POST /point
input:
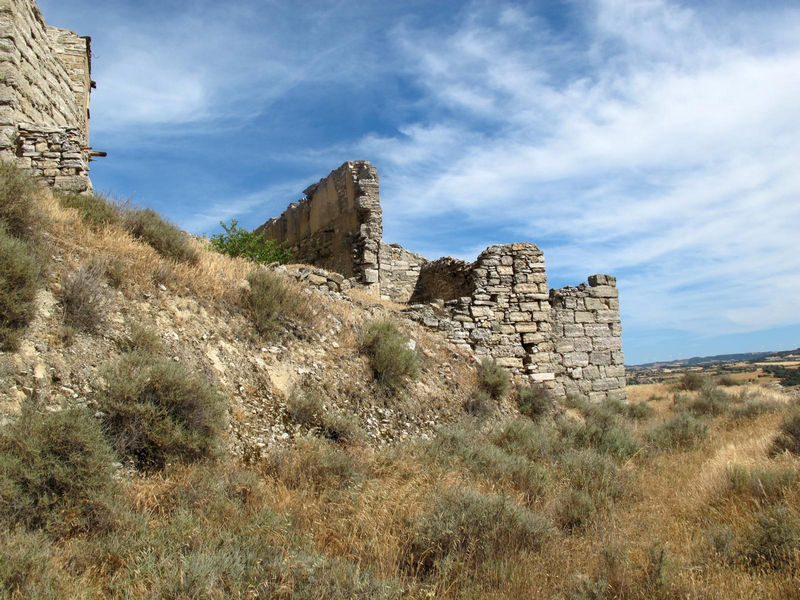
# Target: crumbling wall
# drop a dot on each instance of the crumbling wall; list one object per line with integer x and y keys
{"x": 45, "y": 80}
{"x": 399, "y": 272}
{"x": 445, "y": 278}
{"x": 588, "y": 343}
{"x": 337, "y": 225}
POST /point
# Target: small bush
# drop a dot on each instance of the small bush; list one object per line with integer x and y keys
{"x": 305, "y": 408}
{"x": 788, "y": 439}
{"x": 468, "y": 526}
{"x": 95, "y": 209}
{"x": 19, "y": 281}
{"x": 711, "y": 401}
{"x": 479, "y": 404}
{"x": 691, "y": 382}
{"x": 157, "y": 411}
{"x": 595, "y": 474}
{"x": 774, "y": 540}
{"x": 748, "y": 405}
{"x": 536, "y": 441}
{"x": 268, "y": 301}
{"x": 55, "y": 473}
{"x": 766, "y": 483}
{"x": 788, "y": 376}
{"x": 26, "y": 569}
{"x": 493, "y": 379}
{"x": 603, "y": 429}
{"x": 682, "y": 430}
{"x": 391, "y": 358}
{"x": 237, "y": 241}
{"x": 141, "y": 338}
{"x": 534, "y": 401}
{"x": 84, "y": 298}
{"x": 639, "y": 411}
{"x": 313, "y": 462}
{"x": 116, "y": 271}
{"x": 19, "y": 210}
{"x": 728, "y": 381}
{"x": 164, "y": 237}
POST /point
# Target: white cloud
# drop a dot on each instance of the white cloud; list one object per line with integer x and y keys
{"x": 664, "y": 148}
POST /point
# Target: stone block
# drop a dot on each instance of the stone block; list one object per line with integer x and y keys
{"x": 516, "y": 317}
{"x": 533, "y": 338}
{"x": 607, "y": 316}
{"x": 509, "y": 362}
{"x": 565, "y": 346}
{"x": 526, "y": 327}
{"x": 597, "y": 330}
{"x": 371, "y": 275}
{"x": 615, "y": 371}
{"x": 540, "y": 377}
{"x": 595, "y": 303}
{"x": 604, "y": 291}
{"x": 600, "y": 358}
{"x": 576, "y": 359}
{"x": 573, "y": 330}
{"x": 505, "y": 270}
{"x": 584, "y": 317}
{"x": 526, "y": 288}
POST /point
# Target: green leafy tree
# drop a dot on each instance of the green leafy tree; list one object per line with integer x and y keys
{"x": 237, "y": 241}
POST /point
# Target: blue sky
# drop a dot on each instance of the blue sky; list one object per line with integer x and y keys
{"x": 658, "y": 141}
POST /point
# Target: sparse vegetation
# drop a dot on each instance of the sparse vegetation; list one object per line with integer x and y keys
{"x": 680, "y": 431}
{"x": 691, "y": 382}
{"x": 305, "y": 408}
{"x": 19, "y": 280}
{"x": 786, "y": 375}
{"x": 156, "y": 411}
{"x": 237, "y": 241}
{"x": 534, "y": 401}
{"x": 269, "y": 301}
{"x": 83, "y": 297}
{"x": 390, "y": 356}
{"x": 20, "y": 213}
{"x": 164, "y": 237}
{"x": 788, "y": 439}
{"x": 493, "y": 379}
{"x": 95, "y": 209}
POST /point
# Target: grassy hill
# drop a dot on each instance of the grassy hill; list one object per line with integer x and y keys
{"x": 178, "y": 423}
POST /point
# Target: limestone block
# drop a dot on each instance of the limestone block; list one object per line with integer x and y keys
{"x": 505, "y": 270}
{"x": 597, "y": 397}
{"x": 565, "y": 346}
{"x": 584, "y": 317}
{"x": 583, "y": 344}
{"x": 573, "y": 330}
{"x": 576, "y": 359}
{"x": 509, "y": 362}
{"x": 618, "y": 394}
{"x": 71, "y": 184}
{"x": 540, "y": 377}
{"x": 607, "y": 316}
{"x": 615, "y": 371}
{"x": 598, "y": 330}
{"x": 526, "y": 327}
{"x": 608, "y": 343}
{"x": 371, "y": 275}
{"x": 600, "y": 358}
{"x": 596, "y": 303}
{"x": 506, "y": 329}
{"x": 617, "y": 357}
{"x": 516, "y": 317}
{"x": 481, "y": 311}
{"x": 576, "y": 373}
{"x": 533, "y": 338}
{"x": 526, "y": 288}
{"x": 604, "y": 291}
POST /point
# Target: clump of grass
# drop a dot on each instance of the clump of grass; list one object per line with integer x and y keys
{"x": 164, "y": 237}
{"x": 115, "y": 271}
{"x": 313, "y": 462}
{"x": 774, "y": 539}
{"x": 55, "y": 473}
{"x": 83, "y": 297}
{"x": 19, "y": 210}
{"x": 479, "y": 404}
{"x": 237, "y": 241}
{"x": 534, "y": 401}
{"x": 728, "y": 381}
{"x": 26, "y": 568}
{"x": 306, "y": 409}
{"x": 20, "y": 272}
{"x": 142, "y": 338}
{"x": 710, "y": 401}
{"x": 468, "y": 527}
{"x": 691, "y": 382}
{"x": 681, "y": 431}
{"x": 493, "y": 379}
{"x": 602, "y": 429}
{"x": 95, "y": 209}
{"x": 268, "y": 301}
{"x": 536, "y": 441}
{"x": 788, "y": 439}
{"x": 390, "y": 356}
{"x": 769, "y": 484}
{"x": 156, "y": 411}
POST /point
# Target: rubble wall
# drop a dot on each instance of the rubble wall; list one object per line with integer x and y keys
{"x": 444, "y": 278}
{"x": 45, "y": 81}
{"x": 337, "y": 225}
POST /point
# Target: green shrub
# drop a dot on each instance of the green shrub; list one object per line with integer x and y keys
{"x": 55, "y": 473}
{"x": 164, "y": 237}
{"x": 237, "y": 241}
{"x": 788, "y": 376}
{"x": 19, "y": 209}
{"x": 748, "y": 405}
{"x": 493, "y": 379}
{"x": 391, "y": 358}
{"x": 534, "y": 401}
{"x": 766, "y": 483}
{"x": 682, "y": 430}
{"x": 575, "y": 509}
{"x": 269, "y": 301}
{"x": 536, "y": 441}
{"x": 467, "y": 526}
{"x": 728, "y": 381}
{"x": 142, "y": 338}
{"x": 775, "y": 538}
{"x": 313, "y": 462}
{"x": 711, "y": 401}
{"x": 19, "y": 281}
{"x": 157, "y": 411}
{"x": 95, "y": 209}
{"x": 788, "y": 439}
{"x": 691, "y": 382}
{"x": 26, "y": 569}
{"x": 596, "y": 474}
{"x": 84, "y": 298}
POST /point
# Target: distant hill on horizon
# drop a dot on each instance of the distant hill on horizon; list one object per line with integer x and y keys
{"x": 718, "y": 359}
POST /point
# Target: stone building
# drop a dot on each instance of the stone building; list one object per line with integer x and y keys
{"x": 45, "y": 83}
{"x": 499, "y": 306}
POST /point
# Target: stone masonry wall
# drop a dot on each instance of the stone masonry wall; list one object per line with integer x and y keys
{"x": 45, "y": 82}
{"x": 337, "y": 225}
{"x": 399, "y": 272}
{"x": 589, "y": 359}
{"x": 497, "y": 307}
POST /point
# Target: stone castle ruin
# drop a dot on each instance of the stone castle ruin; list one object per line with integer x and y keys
{"x": 499, "y": 306}
{"x": 45, "y": 82}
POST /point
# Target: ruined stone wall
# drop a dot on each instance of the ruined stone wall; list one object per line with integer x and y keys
{"x": 445, "y": 278}
{"x": 399, "y": 272}
{"x": 45, "y": 81}
{"x": 337, "y": 225}
{"x": 588, "y": 343}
